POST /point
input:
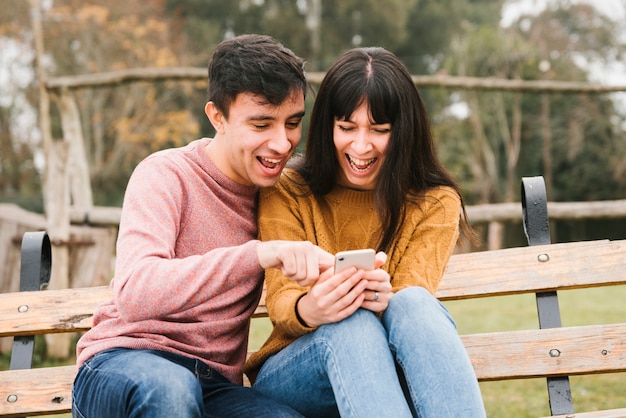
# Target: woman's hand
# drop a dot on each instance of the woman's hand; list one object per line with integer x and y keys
{"x": 377, "y": 293}
{"x": 333, "y": 297}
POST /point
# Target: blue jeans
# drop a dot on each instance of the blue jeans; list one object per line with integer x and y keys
{"x": 145, "y": 383}
{"x": 412, "y": 363}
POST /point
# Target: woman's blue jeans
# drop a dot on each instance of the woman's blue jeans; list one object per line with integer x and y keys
{"x": 154, "y": 384}
{"x": 412, "y": 363}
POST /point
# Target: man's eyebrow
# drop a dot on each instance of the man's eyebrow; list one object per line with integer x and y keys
{"x": 260, "y": 118}
{"x": 297, "y": 115}
{"x": 266, "y": 117}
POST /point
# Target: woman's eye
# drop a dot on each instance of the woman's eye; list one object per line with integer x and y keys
{"x": 345, "y": 128}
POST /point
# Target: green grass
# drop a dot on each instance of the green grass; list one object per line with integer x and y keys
{"x": 528, "y": 398}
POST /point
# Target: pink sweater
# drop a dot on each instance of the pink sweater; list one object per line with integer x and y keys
{"x": 187, "y": 278}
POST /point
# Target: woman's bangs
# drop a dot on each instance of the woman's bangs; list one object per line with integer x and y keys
{"x": 383, "y": 105}
{"x": 346, "y": 100}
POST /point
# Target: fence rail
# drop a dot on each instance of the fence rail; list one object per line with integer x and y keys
{"x": 107, "y": 79}
{"x": 494, "y": 212}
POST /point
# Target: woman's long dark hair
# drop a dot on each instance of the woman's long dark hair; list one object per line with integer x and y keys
{"x": 377, "y": 77}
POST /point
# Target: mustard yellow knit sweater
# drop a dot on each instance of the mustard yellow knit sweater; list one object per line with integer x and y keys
{"x": 345, "y": 219}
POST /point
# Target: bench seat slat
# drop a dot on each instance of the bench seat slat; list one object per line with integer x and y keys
{"x": 505, "y": 355}
{"x": 609, "y": 413}
{"x": 36, "y": 390}
{"x": 589, "y": 349}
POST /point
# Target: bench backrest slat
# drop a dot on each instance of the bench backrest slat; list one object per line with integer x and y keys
{"x": 478, "y": 274}
{"x": 569, "y": 266}
{"x": 50, "y": 311}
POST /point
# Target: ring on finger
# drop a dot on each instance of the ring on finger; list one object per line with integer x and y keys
{"x": 375, "y": 296}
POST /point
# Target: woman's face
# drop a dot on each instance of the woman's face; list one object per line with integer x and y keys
{"x": 361, "y": 145}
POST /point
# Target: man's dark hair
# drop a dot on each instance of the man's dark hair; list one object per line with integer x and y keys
{"x": 256, "y": 64}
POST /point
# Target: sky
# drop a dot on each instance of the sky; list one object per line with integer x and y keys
{"x": 612, "y": 73}
{"x": 16, "y": 72}
{"x": 614, "y": 9}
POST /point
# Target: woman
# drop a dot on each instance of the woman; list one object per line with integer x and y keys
{"x": 367, "y": 343}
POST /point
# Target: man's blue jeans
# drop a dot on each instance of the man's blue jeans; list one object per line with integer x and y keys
{"x": 410, "y": 363}
{"x": 154, "y": 384}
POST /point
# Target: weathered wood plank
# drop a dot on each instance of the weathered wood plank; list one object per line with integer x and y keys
{"x": 491, "y": 212}
{"x": 520, "y": 270}
{"x": 495, "y": 356}
{"x": 446, "y": 81}
{"x": 612, "y": 413}
{"x": 49, "y": 311}
{"x": 590, "y": 349}
{"x": 28, "y": 392}
{"x": 479, "y": 274}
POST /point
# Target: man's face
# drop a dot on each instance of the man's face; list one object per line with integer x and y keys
{"x": 253, "y": 145}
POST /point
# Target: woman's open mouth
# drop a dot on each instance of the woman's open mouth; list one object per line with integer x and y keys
{"x": 360, "y": 166}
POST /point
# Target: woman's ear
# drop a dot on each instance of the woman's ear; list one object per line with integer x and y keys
{"x": 216, "y": 117}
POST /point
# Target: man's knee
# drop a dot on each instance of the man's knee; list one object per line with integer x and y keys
{"x": 109, "y": 387}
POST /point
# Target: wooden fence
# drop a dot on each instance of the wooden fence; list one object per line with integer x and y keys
{"x": 91, "y": 251}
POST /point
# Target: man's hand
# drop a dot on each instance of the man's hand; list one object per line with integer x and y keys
{"x": 300, "y": 261}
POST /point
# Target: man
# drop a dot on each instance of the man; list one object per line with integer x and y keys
{"x": 188, "y": 276}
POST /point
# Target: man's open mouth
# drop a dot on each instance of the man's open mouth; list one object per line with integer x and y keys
{"x": 270, "y": 163}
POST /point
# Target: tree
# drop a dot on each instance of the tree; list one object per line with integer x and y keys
{"x": 19, "y": 175}
{"x": 588, "y": 139}
{"x": 515, "y": 135}
{"x": 120, "y": 126}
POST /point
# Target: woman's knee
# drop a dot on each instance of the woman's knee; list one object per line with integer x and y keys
{"x": 416, "y": 305}
{"x": 411, "y": 297}
{"x": 361, "y": 326}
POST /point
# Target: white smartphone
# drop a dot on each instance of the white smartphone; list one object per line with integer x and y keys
{"x": 361, "y": 259}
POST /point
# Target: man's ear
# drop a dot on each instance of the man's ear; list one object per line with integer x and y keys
{"x": 215, "y": 116}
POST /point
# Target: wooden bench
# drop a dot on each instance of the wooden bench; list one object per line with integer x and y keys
{"x": 552, "y": 352}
